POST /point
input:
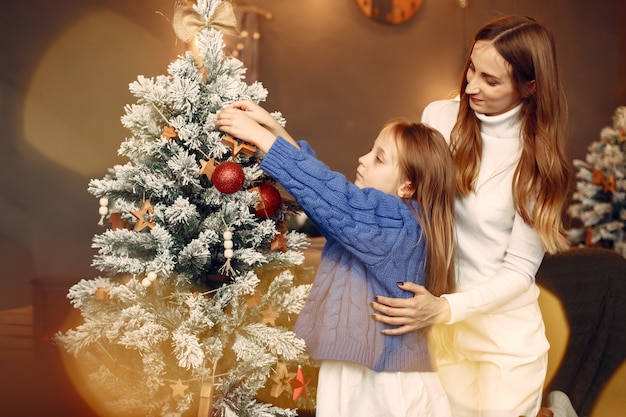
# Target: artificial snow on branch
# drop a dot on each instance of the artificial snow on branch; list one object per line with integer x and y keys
{"x": 600, "y": 198}
{"x": 198, "y": 290}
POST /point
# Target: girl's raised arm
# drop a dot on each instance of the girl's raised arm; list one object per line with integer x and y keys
{"x": 262, "y": 117}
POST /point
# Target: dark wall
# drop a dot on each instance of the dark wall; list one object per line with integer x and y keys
{"x": 336, "y": 76}
{"x": 339, "y": 75}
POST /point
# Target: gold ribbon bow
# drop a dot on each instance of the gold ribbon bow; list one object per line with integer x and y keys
{"x": 188, "y": 22}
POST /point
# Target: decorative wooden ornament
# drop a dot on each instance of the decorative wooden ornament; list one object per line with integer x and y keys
{"x": 207, "y": 167}
{"x": 103, "y": 210}
{"x": 279, "y": 243}
{"x": 118, "y": 222}
{"x": 253, "y": 300}
{"x": 227, "y": 268}
{"x": 609, "y": 184}
{"x": 178, "y": 388}
{"x": 597, "y": 177}
{"x": 149, "y": 279}
{"x": 102, "y": 294}
{"x": 169, "y": 133}
{"x": 282, "y": 379}
{"x": 204, "y": 407}
{"x": 239, "y": 147}
{"x": 391, "y": 12}
{"x": 228, "y": 244}
{"x": 145, "y": 216}
{"x": 269, "y": 316}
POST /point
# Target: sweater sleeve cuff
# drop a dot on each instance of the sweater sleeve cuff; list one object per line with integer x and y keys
{"x": 458, "y": 307}
{"x": 277, "y": 154}
{"x": 306, "y": 148}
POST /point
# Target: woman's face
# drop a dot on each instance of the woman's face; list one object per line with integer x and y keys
{"x": 489, "y": 84}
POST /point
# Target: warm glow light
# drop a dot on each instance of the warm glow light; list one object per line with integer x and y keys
{"x": 77, "y": 93}
{"x": 557, "y": 330}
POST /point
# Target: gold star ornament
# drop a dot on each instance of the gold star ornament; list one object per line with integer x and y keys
{"x": 246, "y": 148}
{"x": 145, "y": 216}
{"x": 178, "y": 388}
{"x": 279, "y": 243}
{"x": 169, "y": 133}
{"x": 207, "y": 167}
{"x": 281, "y": 380}
{"x": 269, "y": 316}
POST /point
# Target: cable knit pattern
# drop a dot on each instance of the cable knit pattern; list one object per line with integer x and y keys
{"x": 372, "y": 242}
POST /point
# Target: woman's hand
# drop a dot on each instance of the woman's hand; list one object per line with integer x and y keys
{"x": 410, "y": 314}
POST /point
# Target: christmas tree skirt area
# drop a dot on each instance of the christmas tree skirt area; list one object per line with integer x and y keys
{"x": 38, "y": 378}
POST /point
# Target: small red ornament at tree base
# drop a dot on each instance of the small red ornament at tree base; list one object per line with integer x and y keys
{"x": 545, "y": 412}
{"x": 268, "y": 202}
{"x": 228, "y": 177}
{"x": 299, "y": 384}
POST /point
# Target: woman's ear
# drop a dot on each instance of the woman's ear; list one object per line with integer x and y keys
{"x": 406, "y": 190}
{"x": 530, "y": 89}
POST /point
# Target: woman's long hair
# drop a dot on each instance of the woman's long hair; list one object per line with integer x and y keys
{"x": 543, "y": 179}
{"x": 425, "y": 160}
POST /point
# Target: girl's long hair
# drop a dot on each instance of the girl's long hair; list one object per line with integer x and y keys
{"x": 425, "y": 159}
{"x": 543, "y": 179}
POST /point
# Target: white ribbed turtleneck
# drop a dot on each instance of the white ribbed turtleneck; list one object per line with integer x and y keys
{"x": 498, "y": 254}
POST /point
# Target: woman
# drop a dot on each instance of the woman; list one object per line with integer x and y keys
{"x": 507, "y": 134}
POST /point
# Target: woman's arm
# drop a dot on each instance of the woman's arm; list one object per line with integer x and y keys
{"x": 521, "y": 261}
{"x": 410, "y": 314}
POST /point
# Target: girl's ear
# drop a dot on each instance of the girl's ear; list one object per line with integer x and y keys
{"x": 406, "y": 190}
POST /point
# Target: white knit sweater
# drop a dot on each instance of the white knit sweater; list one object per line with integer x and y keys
{"x": 498, "y": 254}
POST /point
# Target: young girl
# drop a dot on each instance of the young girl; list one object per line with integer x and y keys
{"x": 507, "y": 133}
{"x": 396, "y": 219}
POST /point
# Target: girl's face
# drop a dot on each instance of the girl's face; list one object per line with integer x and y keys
{"x": 380, "y": 169}
{"x": 489, "y": 84}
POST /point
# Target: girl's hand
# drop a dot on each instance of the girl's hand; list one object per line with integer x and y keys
{"x": 237, "y": 123}
{"x": 259, "y": 115}
{"x": 410, "y": 314}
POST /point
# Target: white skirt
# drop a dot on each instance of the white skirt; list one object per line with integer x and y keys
{"x": 349, "y": 390}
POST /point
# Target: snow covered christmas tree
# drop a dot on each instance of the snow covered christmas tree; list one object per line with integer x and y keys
{"x": 200, "y": 278}
{"x": 600, "y": 197}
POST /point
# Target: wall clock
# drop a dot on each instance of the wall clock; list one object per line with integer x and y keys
{"x": 391, "y": 12}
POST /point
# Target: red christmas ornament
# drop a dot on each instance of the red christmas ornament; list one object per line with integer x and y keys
{"x": 228, "y": 177}
{"x": 268, "y": 202}
{"x": 299, "y": 384}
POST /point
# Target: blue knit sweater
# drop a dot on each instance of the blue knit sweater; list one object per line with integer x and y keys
{"x": 372, "y": 242}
